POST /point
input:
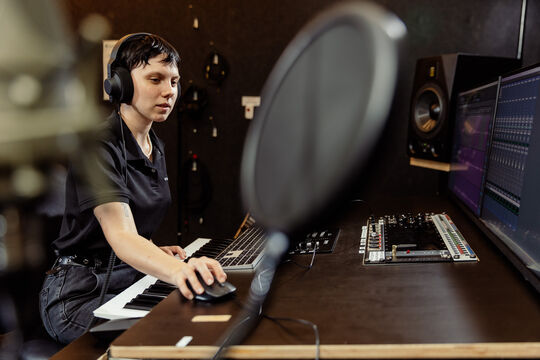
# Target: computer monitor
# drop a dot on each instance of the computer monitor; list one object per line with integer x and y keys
{"x": 511, "y": 201}
{"x": 474, "y": 114}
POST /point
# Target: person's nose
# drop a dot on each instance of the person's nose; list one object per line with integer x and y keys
{"x": 168, "y": 90}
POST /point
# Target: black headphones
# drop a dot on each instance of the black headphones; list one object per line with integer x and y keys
{"x": 119, "y": 85}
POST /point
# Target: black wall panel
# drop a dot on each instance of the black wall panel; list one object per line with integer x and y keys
{"x": 251, "y": 34}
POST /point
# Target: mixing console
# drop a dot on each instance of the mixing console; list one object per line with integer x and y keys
{"x": 413, "y": 238}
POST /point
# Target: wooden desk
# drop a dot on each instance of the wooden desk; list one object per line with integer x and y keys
{"x": 86, "y": 347}
{"x": 429, "y": 310}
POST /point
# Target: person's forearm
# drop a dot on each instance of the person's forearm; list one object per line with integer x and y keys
{"x": 119, "y": 228}
{"x": 145, "y": 256}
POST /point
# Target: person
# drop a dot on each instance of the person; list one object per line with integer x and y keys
{"x": 124, "y": 214}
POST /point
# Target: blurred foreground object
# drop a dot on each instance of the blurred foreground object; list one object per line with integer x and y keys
{"x": 49, "y": 79}
{"x": 47, "y": 102}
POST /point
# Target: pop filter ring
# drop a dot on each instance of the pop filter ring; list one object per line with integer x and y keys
{"x": 378, "y": 106}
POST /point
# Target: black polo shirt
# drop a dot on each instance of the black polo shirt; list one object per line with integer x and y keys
{"x": 147, "y": 190}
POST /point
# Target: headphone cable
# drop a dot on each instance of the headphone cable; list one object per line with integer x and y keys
{"x": 112, "y": 255}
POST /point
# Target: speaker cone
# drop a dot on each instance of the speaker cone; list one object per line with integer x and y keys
{"x": 428, "y": 110}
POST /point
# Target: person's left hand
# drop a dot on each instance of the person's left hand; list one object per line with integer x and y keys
{"x": 174, "y": 250}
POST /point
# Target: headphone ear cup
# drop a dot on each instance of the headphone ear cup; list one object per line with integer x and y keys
{"x": 119, "y": 86}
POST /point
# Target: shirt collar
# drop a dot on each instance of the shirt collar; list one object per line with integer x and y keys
{"x": 133, "y": 151}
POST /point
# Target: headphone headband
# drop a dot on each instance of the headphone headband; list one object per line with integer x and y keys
{"x": 119, "y": 85}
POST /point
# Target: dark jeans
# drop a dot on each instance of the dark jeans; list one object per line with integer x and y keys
{"x": 69, "y": 296}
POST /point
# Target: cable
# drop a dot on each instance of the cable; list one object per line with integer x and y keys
{"x": 263, "y": 283}
{"x": 303, "y": 322}
{"x": 112, "y": 255}
{"x": 105, "y": 287}
{"x": 275, "y": 319}
{"x": 124, "y": 152}
{"x": 222, "y": 346}
{"x": 308, "y": 267}
{"x": 365, "y": 202}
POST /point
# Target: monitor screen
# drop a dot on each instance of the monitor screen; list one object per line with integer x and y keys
{"x": 511, "y": 201}
{"x": 474, "y": 114}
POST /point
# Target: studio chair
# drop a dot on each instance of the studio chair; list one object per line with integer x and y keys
{"x": 323, "y": 109}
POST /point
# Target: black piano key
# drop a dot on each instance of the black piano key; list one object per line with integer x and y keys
{"x": 158, "y": 291}
{"x": 137, "y": 306}
{"x": 161, "y": 294}
{"x": 162, "y": 288}
{"x": 216, "y": 245}
{"x": 163, "y": 283}
{"x": 207, "y": 253}
{"x": 212, "y": 248}
{"x": 140, "y": 303}
{"x": 148, "y": 297}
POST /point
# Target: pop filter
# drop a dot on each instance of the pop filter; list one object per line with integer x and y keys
{"x": 324, "y": 106}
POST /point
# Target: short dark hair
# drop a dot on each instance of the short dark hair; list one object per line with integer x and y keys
{"x": 139, "y": 50}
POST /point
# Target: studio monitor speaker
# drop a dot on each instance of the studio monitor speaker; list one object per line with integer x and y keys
{"x": 437, "y": 81}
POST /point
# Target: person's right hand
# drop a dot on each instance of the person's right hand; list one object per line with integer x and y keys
{"x": 208, "y": 270}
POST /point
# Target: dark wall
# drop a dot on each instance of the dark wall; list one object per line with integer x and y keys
{"x": 251, "y": 35}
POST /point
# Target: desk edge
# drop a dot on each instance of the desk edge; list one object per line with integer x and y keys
{"x": 514, "y": 350}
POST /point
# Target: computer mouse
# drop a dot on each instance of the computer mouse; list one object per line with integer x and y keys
{"x": 216, "y": 291}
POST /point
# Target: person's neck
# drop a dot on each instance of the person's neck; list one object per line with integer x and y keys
{"x": 138, "y": 125}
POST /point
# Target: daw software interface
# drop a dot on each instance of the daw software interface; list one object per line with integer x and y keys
{"x": 474, "y": 114}
{"x": 511, "y": 206}
{"x": 496, "y": 160}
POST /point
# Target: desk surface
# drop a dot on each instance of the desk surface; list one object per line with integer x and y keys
{"x": 423, "y": 310}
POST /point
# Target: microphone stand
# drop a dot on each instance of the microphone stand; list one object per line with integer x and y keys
{"x": 276, "y": 246}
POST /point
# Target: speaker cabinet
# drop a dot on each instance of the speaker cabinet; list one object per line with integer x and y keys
{"x": 437, "y": 81}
